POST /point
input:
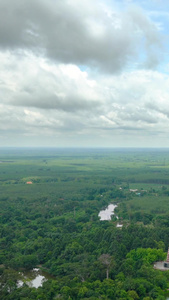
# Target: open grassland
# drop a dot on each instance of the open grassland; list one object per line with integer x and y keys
{"x": 153, "y": 204}
{"x": 84, "y": 175}
{"x": 139, "y": 169}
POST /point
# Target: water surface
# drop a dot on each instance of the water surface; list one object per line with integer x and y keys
{"x": 107, "y": 213}
{"x": 34, "y": 278}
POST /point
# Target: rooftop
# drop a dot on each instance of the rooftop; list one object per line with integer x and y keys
{"x": 159, "y": 265}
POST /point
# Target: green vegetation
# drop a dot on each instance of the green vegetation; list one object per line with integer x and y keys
{"x": 53, "y": 223}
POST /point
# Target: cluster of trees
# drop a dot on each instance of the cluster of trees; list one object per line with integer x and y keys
{"x": 89, "y": 259}
{"x": 54, "y": 224}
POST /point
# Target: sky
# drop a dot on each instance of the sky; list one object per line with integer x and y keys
{"x": 84, "y": 73}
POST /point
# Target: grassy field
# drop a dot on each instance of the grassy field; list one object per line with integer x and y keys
{"x": 60, "y": 173}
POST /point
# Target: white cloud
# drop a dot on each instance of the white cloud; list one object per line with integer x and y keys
{"x": 61, "y": 98}
{"x": 79, "y": 73}
{"x": 73, "y": 34}
{"x": 36, "y": 83}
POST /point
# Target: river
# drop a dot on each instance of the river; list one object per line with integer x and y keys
{"x": 34, "y": 278}
{"x": 105, "y": 215}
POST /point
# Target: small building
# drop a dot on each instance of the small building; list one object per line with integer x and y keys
{"x": 29, "y": 182}
{"x": 166, "y": 263}
{"x": 138, "y": 194}
{"x": 162, "y": 265}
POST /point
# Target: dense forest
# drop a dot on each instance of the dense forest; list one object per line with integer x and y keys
{"x": 50, "y": 200}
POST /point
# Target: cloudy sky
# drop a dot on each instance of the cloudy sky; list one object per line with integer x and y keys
{"x": 84, "y": 73}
